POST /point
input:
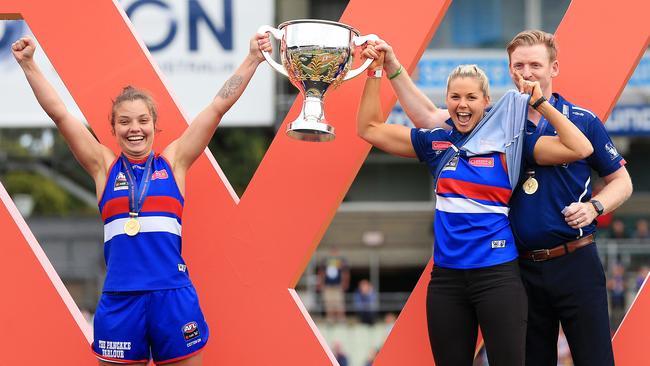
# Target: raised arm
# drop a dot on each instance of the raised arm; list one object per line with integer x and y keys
{"x": 418, "y": 107}
{"x": 394, "y": 139}
{"x": 569, "y": 145}
{"x": 186, "y": 149}
{"x": 93, "y": 156}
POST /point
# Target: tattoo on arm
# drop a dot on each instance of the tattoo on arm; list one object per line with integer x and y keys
{"x": 230, "y": 87}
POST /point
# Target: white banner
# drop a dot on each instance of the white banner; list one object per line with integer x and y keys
{"x": 197, "y": 44}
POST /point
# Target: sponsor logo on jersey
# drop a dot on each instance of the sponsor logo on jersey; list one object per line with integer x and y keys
{"x": 482, "y": 162}
{"x": 452, "y": 164}
{"x": 498, "y": 244}
{"x": 440, "y": 145}
{"x": 159, "y": 174}
{"x": 120, "y": 182}
{"x": 190, "y": 331}
{"x": 182, "y": 267}
{"x": 613, "y": 153}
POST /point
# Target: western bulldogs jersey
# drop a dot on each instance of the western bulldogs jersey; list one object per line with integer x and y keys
{"x": 471, "y": 224}
{"x": 151, "y": 259}
{"x": 537, "y": 219}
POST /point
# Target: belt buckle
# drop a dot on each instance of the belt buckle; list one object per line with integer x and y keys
{"x": 544, "y": 255}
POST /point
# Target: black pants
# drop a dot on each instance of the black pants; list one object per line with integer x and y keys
{"x": 458, "y": 301}
{"x": 569, "y": 290}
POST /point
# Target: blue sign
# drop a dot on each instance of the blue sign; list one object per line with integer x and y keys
{"x": 196, "y": 16}
{"x": 13, "y": 30}
{"x": 434, "y": 67}
{"x": 433, "y": 72}
{"x": 629, "y": 120}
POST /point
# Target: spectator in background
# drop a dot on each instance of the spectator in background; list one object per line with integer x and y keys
{"x": 340, "y": 356}
{"x": 365, "y": 302}
{"x": 616, "y": 288}
{"x": 389, "y": 322}
{"x": 617, "y": 231}
{"x": 371, "y": 357}
{"x": 333, "y": 281}
{"x": 641, "y": 276}
{"x": 642, "y": 231}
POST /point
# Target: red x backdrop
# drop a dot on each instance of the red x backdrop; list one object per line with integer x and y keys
{"x": 247, "y": 254}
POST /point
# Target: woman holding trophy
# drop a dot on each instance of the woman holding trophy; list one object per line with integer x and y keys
{"x": 149, "y": 307}
{"x": 475, "y": 280}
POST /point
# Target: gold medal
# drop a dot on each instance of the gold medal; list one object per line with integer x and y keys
{"x": 530, "y": 185}
{"x": 132, "y": 226}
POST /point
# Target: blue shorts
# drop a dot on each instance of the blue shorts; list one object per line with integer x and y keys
{"x": 166, "y": 325}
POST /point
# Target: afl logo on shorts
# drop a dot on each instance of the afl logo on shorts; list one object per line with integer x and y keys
{"x": 190, "y": 331}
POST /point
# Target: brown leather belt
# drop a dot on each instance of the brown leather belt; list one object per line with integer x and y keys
{"x": 560, "y": 250}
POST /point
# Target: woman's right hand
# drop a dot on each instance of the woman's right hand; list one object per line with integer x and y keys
{"x": 531, "y": 88}
{"x": 23, "y": 49}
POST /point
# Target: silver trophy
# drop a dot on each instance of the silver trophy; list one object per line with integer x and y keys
{"x": 316, "y": 54}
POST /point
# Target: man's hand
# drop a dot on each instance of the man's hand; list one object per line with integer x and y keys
{"x": 391, "y": 64}
{"x": 370, "y": 51}
{"x": 579, "y": 214}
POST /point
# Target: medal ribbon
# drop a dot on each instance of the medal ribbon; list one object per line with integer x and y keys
{"x": 137, "y": 192}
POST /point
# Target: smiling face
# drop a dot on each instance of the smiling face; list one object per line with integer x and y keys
{"x": 466, "y": 102}
{"x": 134, "y": 128}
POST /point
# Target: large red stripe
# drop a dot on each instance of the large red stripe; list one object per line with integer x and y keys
{"x": 120, "y": 205}
{"x": 474, "y": 190}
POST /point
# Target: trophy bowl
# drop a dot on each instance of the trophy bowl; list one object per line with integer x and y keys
{"x": 316, "y": 55}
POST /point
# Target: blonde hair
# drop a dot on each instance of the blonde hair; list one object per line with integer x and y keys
{"x": 131, "y": 93}
{"x": 471, "y": 71}
{"x": 534, "y": 37}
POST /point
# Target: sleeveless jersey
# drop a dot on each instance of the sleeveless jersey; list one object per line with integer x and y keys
{"x": 471, "y": 223}
{"x": 150, "y": 260}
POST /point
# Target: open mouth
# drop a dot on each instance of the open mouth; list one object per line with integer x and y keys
{"x": 464, "y": 117}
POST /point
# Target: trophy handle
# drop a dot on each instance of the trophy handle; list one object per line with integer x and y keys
{"x": 358, "y": 41}
{"x": 278, "y": 35}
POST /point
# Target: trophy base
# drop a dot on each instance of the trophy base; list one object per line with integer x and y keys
{"x": 310, "y": 131}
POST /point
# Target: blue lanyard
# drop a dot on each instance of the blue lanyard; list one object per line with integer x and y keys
{"x": 137, "y": 192}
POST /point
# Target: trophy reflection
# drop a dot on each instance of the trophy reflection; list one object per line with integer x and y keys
{"x": 316, "y": 55}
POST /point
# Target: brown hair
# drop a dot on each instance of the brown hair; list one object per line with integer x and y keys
{"x": 471, "y": 71}
{"x": 534, "y": 37}
{"x": 130, "y": 93}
